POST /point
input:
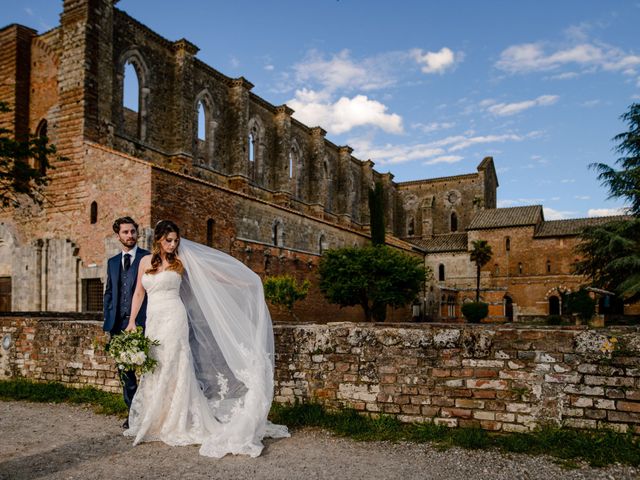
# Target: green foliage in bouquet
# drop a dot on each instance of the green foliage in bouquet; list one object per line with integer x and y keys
{"x": 131, "y": 351}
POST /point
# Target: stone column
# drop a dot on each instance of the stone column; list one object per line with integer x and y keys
{"x": 183, "y": 105}
{"x": 238, "y": 134}
{"x": 367, "y": 184}
{"x": 282, "y": 183}
{"x": 316, "y": 172}
{"x": 344, "y": 188}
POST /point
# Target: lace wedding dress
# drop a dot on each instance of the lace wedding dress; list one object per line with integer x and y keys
{"x": 213, "y": 384}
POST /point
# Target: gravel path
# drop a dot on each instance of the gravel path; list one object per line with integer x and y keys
{"x": 43, "y": 441}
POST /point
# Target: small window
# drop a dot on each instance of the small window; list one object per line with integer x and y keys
{"x": 321, "y": 244}
{"x": 291, "y": 164}
{"x": 548, "y": 266}
{"x": 92, "y": 295}
{"x": 507, "y": 244}
{"x": 210, "y": 226}
{"x": 202, "y": 122}
{"x": 94, "y": 213}
{"x": 131, "y": 93}
{"x": 5, "y": 294}
{"x": 454, "y": 222}
{"x": 252, "y": 148}
{"x": 520, "y": 268}
{"x": 278, "y": 234}
{"x": 496, "y": 269}
{"x": 40, "y": 163}
{"x": 441, "y": 273}
{"x": 411, "y": 227}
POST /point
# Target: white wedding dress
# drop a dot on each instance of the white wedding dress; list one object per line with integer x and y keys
{"x": 213, "y": 384}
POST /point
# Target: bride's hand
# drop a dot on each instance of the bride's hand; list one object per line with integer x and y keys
{"x": 130, "y": 328}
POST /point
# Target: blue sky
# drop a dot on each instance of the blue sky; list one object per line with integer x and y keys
{"x": 427, "y": 89}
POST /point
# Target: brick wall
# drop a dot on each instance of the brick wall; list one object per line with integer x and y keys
{"x": 498, "y": 378}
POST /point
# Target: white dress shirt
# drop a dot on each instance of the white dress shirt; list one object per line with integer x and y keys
{"x": 131, "y": 252}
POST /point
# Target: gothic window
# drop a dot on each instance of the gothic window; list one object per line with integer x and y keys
{"x": 454, "y": 222}
{"x": 441, "y": 272}
{"x": 210, "y": 229}
{"x": 277, "y": 234}
{"x": 548, "y": 266}
{"x": 94, "y": 212}
{"x": 520, "y": 269}
{"x": 40, "y": 163}
{"x": 496, "y": 269}
{"x": 254, "y": 153}
{"x": 204, "y": 127}
{"x": 411, "y": 227}
{"x": 507, "y": 244}
{"x": 134, "y": 91}
{"x": 322, "y": 244}
{"x": 294, "y": 169}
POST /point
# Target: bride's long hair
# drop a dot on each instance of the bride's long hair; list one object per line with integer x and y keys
{"x": 162, "y": 229}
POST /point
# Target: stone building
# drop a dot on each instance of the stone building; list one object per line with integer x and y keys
{"x": 233, "y": 170}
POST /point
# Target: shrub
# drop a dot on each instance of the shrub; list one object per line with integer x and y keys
{"x": 284, "y": 291}
{"x": 475, "y": 311}
{"x": 554, "y": 320}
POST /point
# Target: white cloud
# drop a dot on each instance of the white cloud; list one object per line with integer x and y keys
{"x": 235, "y": 63}
{"x": 269, "y": 68}
{"x": 339, "y": 71}
{"x": 506, "y": 109}
{"x": 437, "y": 62}
{"x": 568, "y": 180}
{"x": 29, "y": 11}
{"x": 582, "y": 197}
{"x": 606, "y": 212}
{"x": 564, "y": 76}
{"x": 317, "y": 108}
{"x": 433, "y": 126}
{"x": 443, "y": 149}
{"x": 591, "y": 103}
{"x": 444, "y": 159}
{"x": 535, "y": 57}
{"x": 553, "y": 214}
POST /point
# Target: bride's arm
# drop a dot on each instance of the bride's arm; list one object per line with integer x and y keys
{"x": 138, "y": 294}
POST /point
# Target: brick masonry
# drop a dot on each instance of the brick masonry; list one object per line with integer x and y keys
{"x": 499, "y": 378}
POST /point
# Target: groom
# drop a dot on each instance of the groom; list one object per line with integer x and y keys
{"x": 122, "y": 276}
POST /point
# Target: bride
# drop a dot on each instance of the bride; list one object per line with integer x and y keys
{"x": 213, "y": 384}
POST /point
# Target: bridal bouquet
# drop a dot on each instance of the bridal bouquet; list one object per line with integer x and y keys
{"x": 131, "y": 351}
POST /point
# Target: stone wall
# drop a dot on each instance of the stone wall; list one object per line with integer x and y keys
{"x": 498, "y": 378}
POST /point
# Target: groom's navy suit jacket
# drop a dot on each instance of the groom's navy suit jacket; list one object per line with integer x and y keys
{"x": 113, "y": 294}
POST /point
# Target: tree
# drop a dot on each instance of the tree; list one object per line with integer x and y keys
{"x": 611, "y": 257}
{"x": 23, "y": 166}
{"x": 284, "y": 291}
{"x": 625, "y": 183}
{"x": 371, "y": 275}
{"x": 611, "y": 252}
{"x": 481, "y": 254}
{"x": 579, "y": 303}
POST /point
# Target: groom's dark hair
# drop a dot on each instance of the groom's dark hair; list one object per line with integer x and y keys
{"x": 123, "y": 220}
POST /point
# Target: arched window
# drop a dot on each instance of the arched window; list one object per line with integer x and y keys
{"x": 94, "y": 212}
{"x": 210, "y": 228}
{"x": 277, "y": 234}
{"x": 496, "y": 269}
{"x": 548, "y": 266}
{"x": 411, "y": 227}
{"x": 131, "y": 88}
{"x": 441, "y": 273}
{"x": 554, "y": 305}
{"x": 202, "y": 122}
{"x": 520, "y": 269}
{"x": 252, "y": 148}
{"x": 508, "y": 308}
{"x": 40, "y": 163}
{"x": 322, "y": 244}
{"x": 454, "y": 222}
{"x": 291, "y": 164}
{"x": 507, "y": 244}
{"x": 133, "y": 84}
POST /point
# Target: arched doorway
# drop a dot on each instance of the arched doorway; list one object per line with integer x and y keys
{"x": 508, "y": 308}
{"x": 554, "y": 305}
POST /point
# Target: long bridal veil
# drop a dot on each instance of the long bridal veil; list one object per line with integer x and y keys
{"x": 231, "y": 339}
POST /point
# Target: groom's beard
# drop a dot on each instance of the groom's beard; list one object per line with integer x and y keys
{"x": 129, "y": 243}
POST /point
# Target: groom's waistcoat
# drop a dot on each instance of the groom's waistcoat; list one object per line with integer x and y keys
{"x": 126, "y": 287}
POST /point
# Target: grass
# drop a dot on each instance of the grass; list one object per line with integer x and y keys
{"x": 599, "y": 448}
{"x": 50, "y": 392}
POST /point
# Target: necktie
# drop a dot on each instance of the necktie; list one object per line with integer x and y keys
{"x": 127, "y": 261}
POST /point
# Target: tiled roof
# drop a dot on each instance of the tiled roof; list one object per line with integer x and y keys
{"x": 451, "y": 242}
{"x": 506, "y": 217}
{"x": 437, "y": 179}
{"x": 573, "y": 226}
